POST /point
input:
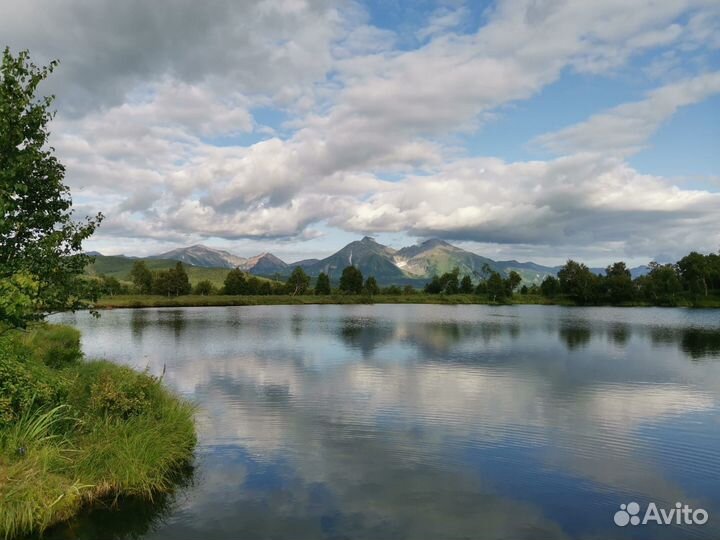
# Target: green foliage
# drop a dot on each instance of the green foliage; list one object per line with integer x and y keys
{"x": 351, "y": 280}
{"x": 88, "y": 431}
{"x": 121, "y": 394}
{"x": 298, "y": 282}
{"x": 578, "y": 282}
{"x": 23, "y": 383}
{"x": 322, "y": 286}
{"x": 392, "y": 290}
{"x": 54, "y": 345}
{"x": 141, "y": 277}
{"x": 699, "y": 273}
{"x": 496, "y": 287}
{"x": 466, "y": 285}
{"x": 618, "y": 286}
{"x": 172, "y": 282}
{"x": 18, "y": 300}
{"x": 38, "y": 236}
{"x": 662, "y": 285}
{"x": 235, "y": 282}
{"x": 36, "y": 426}
{"x": 448, "y": 283}
{"x": 204, "y": 288}
{"x": 371, "y": 287}
{"x": 550, "y": 287}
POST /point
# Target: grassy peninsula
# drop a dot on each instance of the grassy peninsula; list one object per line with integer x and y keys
{"x": 74, "y": 432}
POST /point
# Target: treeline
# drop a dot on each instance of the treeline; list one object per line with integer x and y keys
{"x": 692, "y": 278}
{"x": 175, "y": 282}
{"x": 491, "y": 283}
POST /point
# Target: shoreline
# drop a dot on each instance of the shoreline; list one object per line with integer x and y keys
{"x": 155, "y": 301}
{"x": 76, "y": 433}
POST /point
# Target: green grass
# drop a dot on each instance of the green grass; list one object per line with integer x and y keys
{"x": 76, "y": 432}
{"x": 143, "y": 301}
{"x": 139, "y": 301}
{"x": 120, "y": 267}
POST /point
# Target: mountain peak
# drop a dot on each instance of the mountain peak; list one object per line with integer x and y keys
{"x": 432, "y": 242}
{"x": 368, "y": 239}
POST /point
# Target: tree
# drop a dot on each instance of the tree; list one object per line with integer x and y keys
{"x": 496, "y": 287}
{"x": 39, "y": 240}
{"x": 448, "y": 283}
{"x": 409, "y": 289}
{"x": 110, "y": 286}
{"x": 18, "y": 300}
{"x": 351, "y": 280}
{"x": 371, "y": 287}
{"x": 434, "y": 286}
{"x": 661, "y": 285}
{"x": 172, "y": 282}
{"x": 578, "y": 282}
{"x": 466, "y": 286}
{"x": 298, "y": 282}
{"x": 451, "y": 281}
{"x": 204, "y": 288}
{"x": 180, "y": 280}
{"x": 322, "y": 286}
{"x": 265, "y": 288}
{"x": 141, "y": 277}
{"x": 235, "y": 282}
{"x": 618, "y": 283}
{"x": 694, "y": 270}
{"x": 550, "y": 287}
{"x": 511, "y": 282}
{"x": 253, "y": 285}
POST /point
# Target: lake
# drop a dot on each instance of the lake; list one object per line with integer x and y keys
{"x": 426, "y": 421}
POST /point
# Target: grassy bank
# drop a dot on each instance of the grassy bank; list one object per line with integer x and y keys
{"x": 138, "y": 301}
{"x": 75, "y": 432}
{"x": 143, "y": 301}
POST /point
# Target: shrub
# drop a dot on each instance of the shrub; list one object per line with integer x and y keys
{"x": 23, "y": 385}
{"x": 55, "y": 346}
{"x": 121, "y": 393}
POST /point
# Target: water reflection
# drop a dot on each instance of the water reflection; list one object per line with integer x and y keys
{"x": 701, "y": 343}
{"x": 126, "y": 518}
{"x": 433, "y": 421}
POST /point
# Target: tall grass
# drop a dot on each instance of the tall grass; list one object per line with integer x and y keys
{"x": 111, "y": 432}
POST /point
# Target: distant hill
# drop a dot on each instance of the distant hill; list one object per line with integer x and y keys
{"x": 413, "y": 265}
{"x": 435, "y": 257}
{"x": 199, "y": 255}
{"x": 119, "y": 267}
{"x": 265, "y": 264}
{"x": 371, "y": 258}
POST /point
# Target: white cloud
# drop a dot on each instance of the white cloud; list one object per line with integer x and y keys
{"x": 143, "y": 96}
{"x": 626, "y": 128}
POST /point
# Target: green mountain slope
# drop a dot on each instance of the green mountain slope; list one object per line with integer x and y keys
{"x": 120, "y": 267}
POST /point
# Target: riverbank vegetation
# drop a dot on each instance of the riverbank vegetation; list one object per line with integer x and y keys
{"x": 71, "y": 431}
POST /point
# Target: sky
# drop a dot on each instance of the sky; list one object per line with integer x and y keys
{"x": 523, "y": 129}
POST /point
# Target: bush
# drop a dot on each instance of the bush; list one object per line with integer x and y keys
{"x": 121, "y": 393}
{"x": 55, "y": 346}
{"x": 24, "y": 385}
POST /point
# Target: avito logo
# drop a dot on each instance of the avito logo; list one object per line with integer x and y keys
{"x": 681, "y": 514}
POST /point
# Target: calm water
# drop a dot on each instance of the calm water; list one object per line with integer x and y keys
{"x": 426, "y": 422}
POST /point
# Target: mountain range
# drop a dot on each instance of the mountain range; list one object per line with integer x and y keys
{"x": 408, "y": 265}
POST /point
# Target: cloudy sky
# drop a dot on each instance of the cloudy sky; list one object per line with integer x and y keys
{"x": 529, "y": 129}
